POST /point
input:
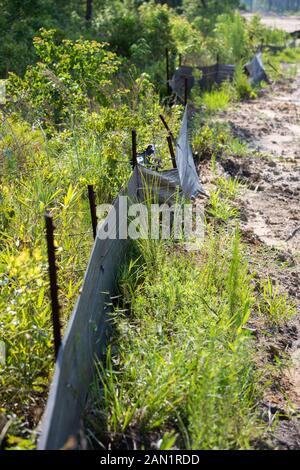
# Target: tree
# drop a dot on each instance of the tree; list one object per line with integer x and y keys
{"x": 89, "y": 10}
{"x": 205, "y": 12}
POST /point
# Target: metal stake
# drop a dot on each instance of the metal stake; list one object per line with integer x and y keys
{"x": 167, "y": 127}
{"x": 92, "y": 201}
{"x": 53, "y": 283}
{"x": 172, "y": 153}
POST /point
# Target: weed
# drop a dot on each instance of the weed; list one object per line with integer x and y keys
{"x": 243, "y": 88}
{"x": 274, "y": 306}
{"x": 216, "y": 100}
{"x": 220, "y": 208}
{"x": 183, "y": 362}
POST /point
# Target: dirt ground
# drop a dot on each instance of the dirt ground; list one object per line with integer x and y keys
{"x": 287, "y": 23}
{"x": 270, "y": 224}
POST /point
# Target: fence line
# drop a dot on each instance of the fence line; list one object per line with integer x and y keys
{"x": 85, "y": 339}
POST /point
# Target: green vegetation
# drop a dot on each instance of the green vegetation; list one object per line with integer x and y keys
{"x": 213, "y": 141}
{"x": 275, "y": 306}
{"x": 216, "y": 100}
{"x": 180, "y": 366}
{"x": 68, "y": 140}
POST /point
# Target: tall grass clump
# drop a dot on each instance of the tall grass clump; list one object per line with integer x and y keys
{"x": 216, "y": 100}
{"x": 181, "y": 363}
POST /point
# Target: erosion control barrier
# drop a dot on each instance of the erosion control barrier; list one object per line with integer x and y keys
{"x": 256, "y": 71}
{"x": 84, "y": 339}
{"x": 211, "y": 75}
{"x": 185, "y": 76}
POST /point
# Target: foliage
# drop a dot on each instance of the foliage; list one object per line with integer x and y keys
{"x": 220, "y": 207}
{"x": 70, "y": 75}
{"x": 67, "y": 124}
{"x": 230, "y": 38}
{"x": 275, "y": 306}
{"x": 216, "y": 141}
{"x": 47, "y": 167}
{"x": 20, "y": 21}
{"x": 216, "y": 100}
{"x": 204, "y": 13}
{"x": 183, "y": 360}
{"x": 260, "y": 34}
{"x": 243, "y": 88}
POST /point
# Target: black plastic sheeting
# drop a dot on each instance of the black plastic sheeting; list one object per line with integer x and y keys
{"x": 215, "y": 75}
{"x": 84, "y": 339}
{"x": 209, "y": 76}
{"x": 256, "y": 71}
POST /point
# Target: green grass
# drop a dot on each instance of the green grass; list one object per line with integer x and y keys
{"x": 216, "y": 100}
{"x": 221, "y": 205}
{"x": 274, "y": 306}
{"x": 42, "y": 173}
{"x": 181, "y": 363}
{"x": 215, "y": 140}
{"x": 181, "y": 370}
{"x": 282, "y": 64}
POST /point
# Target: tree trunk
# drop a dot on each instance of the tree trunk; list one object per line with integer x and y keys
{"x": 89, "y": 10}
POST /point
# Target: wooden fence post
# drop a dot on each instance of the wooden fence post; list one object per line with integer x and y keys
{"x": 167, "y": 127}
{"x": 186, "y": 91}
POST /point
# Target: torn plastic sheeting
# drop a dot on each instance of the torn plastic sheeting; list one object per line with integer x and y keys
{"x": 256, "y": 70}
{"x": 188, "y": 176}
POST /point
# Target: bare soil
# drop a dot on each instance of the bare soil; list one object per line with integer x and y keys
{"x": 270, "y": 224}
{"x": 287, "y": 23}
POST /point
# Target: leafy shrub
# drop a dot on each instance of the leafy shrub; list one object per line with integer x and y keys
{"x": 70, "y": 76}
{"x": 230, "y": 38}
{"x": 243, "y": 87}
{"x": 209, "y": 142}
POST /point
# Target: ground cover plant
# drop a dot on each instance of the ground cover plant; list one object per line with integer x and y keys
{"x": 54, "y": 142}
{"x": 75, "y": 88}
{"x": 180, "y": 371}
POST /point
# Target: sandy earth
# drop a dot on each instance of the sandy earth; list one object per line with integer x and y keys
{"x": 271, "y": 126}
{"x": 270, "y": 224}
{"x": 287, "y": 23}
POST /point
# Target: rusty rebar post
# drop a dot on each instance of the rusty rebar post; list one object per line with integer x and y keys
{"x": 172, "y": 153}
{"x": 53, "y": 283}
{"x": 134, "y": 148}
{"x": 92, "y": 201}
{"x": 167, "y": 127}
